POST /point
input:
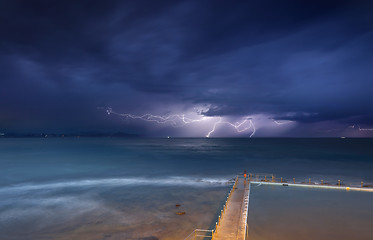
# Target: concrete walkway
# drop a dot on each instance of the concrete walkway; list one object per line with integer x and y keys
{"x": 232, "y": 225}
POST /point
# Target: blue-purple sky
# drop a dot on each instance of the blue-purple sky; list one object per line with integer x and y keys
{"x": 289, "y": 68}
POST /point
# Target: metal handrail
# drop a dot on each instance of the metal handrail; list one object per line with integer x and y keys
{"x": 271, "y": 178}
{"x": 247, "y": 212}
{"x": 196, "y": 234}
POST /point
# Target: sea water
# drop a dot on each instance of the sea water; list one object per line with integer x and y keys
{"x": 291, "y": 213}
{"x": 117, "y": 188}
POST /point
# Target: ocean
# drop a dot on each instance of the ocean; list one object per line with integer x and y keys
{"x": 118, "y": 188}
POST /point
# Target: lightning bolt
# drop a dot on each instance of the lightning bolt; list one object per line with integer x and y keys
{"x": 359, "y": 128}
{"x": 173, "y": 119}
{"x": 281, "y": 123}
{"x": 178, "y": 120}
{"x": 237, "y": 126}
{"x": 364, "y": 129}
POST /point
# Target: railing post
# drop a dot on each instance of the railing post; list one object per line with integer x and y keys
{"x": 294, "y": 180}
{"x": 309, "y": 181}
{"x": 362, "y": 184}
{"x": 281, "y": 179}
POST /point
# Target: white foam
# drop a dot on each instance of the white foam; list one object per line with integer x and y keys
{"x": 116, "y": 182}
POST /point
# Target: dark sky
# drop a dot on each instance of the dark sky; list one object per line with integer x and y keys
{"x": 290, "y": 68}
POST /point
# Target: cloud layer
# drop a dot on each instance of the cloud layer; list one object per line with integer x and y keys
{"x": 287, "y": 60}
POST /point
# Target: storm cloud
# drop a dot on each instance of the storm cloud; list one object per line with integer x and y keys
{"x": 306, "y": 62}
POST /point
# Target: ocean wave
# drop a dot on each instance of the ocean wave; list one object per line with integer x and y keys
{"x": 117, "y": 182}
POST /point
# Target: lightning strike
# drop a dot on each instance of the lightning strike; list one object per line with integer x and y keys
{"x": 237, "y": 126}
{"x": 364, "y": 129}
{"x": 359, "y": 128}
{"x": 178, "y": 120}
{"x": 172, "y": 119}
{"x": 281, "y": 123}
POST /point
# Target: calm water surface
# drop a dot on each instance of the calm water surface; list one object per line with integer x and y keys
{"x": 293, "y": 213}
